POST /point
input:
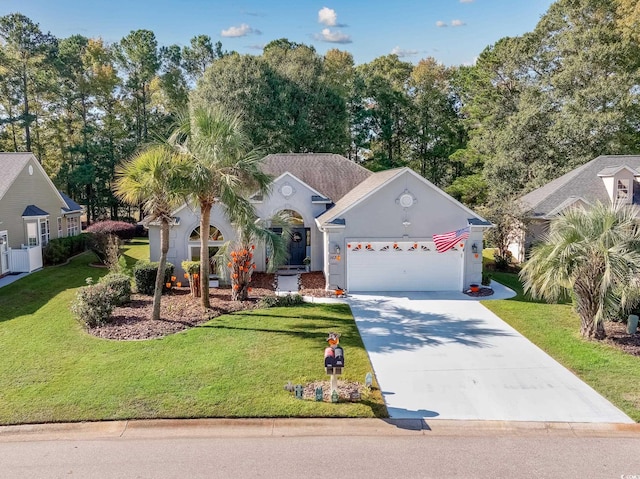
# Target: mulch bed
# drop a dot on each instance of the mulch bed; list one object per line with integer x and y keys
{"x": 618, "y": 337}
{"x": 179, "y": 311}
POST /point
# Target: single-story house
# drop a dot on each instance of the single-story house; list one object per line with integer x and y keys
{"x": 32, "y": 211}
{"x": 366, "y": 231}
{"x": 605, "y": 179}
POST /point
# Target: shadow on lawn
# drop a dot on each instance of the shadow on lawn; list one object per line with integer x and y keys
{"x": 27, "y": 295}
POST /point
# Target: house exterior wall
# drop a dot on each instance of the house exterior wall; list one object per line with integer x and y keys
{"x": 299, "y": 201}
{"x": 29, "y": 189}
{"x": 534, "y": 232}
{"x": 380, "y": 217}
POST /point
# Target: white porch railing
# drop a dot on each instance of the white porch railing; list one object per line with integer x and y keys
{"x": 25, "y": 260}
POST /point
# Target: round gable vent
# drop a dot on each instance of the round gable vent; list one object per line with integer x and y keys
{"x": 406, "y": 200}
{"x": 30, "y": 169}
{"x": 286, "y": 190}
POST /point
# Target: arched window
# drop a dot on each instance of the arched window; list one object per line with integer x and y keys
{"x": 294, "y": 218}
{"x": 214, "y": 234}
{"x": 216, "y": 239}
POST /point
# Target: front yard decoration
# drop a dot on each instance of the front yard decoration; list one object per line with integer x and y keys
{"x": 333, "y": 360}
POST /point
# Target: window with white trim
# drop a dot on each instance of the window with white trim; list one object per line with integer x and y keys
{"x": 32, "y": 233}
{"x": 59, "y": 227}
{"x": 44, "y": 231}
{"x": 73, "y": 226}
{"x": 623, "y": 189}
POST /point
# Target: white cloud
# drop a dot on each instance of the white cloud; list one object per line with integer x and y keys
{"x": 457, "y": 23}
{"x": 328, "y": 16}
{"x": 401, "y": 52}
{"x": 441, "y": 24}
{"x": 241, "y": 31}
{"x": 333, "y": 36}
{"x": 256, "y": 47}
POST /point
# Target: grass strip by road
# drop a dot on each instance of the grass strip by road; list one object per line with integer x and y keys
{"x": 233, "y": 366}
{"x": 555, "y": 328}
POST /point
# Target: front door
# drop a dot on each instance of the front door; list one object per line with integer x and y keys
{"x": 298, "y": 246}
{"x": 4, "y": 252}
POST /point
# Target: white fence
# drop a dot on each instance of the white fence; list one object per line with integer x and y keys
{"x": 25, "y": 260}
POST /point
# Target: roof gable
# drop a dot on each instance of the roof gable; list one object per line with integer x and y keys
{"x": 331, "y": 176}
{"x": 12, "y": 164}
{"x": 375, "y": 183}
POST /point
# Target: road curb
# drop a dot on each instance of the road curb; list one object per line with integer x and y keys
{"x": 293, "y": 427}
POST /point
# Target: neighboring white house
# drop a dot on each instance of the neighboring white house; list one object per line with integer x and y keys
{"x": 605, "y": 179}
{"x": 366, "y": 231}
{"x": 32, "y": 211}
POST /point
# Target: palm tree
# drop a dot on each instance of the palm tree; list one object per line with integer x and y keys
{"x": 593, "y": 255}
{"x": 237, "y": 255}
{"x": 224, "y": 168}
{"x": 153, "y": 178}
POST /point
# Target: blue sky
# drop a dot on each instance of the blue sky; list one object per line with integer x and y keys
{"x": 452, "y": 31}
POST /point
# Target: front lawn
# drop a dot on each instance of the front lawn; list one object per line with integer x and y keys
{"x": 233, "y": 366}
{"x": 556, "y": 329}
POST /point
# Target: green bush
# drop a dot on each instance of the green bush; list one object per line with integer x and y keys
{"x": 59, "y": 250}
{"x": 93, "y": 304}
{"x": 55, "y": 252}
{"x": 280, "y": 301}
{"x": 191, "y": 267}
{"x": 120, "y": 285}
{"x": 144, "y": 275}
{"x": 486, "y": 279}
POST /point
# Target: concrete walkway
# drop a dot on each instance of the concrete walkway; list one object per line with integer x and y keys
{"x": 288, "y": 284}
{"x": 445, "y": 356}
{"x": 10, "y": 278}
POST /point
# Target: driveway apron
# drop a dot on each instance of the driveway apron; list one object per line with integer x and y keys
{"x": 446, "y": 356}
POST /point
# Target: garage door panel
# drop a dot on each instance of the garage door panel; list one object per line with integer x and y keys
{"x": 383, "y": 268}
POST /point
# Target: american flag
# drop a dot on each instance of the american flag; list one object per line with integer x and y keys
{"x": 446, "y": 241}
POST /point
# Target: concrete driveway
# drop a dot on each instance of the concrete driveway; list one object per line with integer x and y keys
{"x": 445, "y": 356}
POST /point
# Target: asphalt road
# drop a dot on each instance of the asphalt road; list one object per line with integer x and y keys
{"x": 298, "y": 451}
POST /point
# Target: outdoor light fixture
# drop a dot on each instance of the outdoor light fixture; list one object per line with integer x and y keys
{"x": 474, "y": 248}
{"x": 337, "y": 249}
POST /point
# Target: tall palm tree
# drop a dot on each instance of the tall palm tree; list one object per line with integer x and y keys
{"x": 592, "y": 254}
{"x": 224, "y": 168}
{"x": 154, "y": 178}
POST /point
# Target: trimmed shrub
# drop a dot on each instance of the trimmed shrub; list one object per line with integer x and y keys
{"x": 144, "y": 275}
{"x": 191, "y": 267}
{"x": 93, "y": 305}
{"x": 59, "y": 250}
{"x": 280, "y": 301}
{"x": 120, "y": 285}
{"x": 124, "y": 231}
{"x": 486, "y": 279}
{"x": 55, "y": 252}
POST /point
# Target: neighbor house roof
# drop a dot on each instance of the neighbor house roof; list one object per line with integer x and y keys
{"x": 329, "y": 174}
{"x": 11, "y": 164}
{"x": 72, "y": 206}
{"x": 583, "y": 182}
{"x": 33, "y": 210}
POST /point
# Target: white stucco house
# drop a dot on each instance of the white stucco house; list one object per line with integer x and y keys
{"x": 605, "y": 179}
{"x": 366, "y": 231}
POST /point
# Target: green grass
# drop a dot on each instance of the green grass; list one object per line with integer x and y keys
{"x": 233, "y": 366}
{"x": 555, "y": 328}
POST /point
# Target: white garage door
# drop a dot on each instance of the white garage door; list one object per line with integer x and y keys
{"x": 402, "y": 266}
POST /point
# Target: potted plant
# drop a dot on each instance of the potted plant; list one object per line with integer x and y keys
{"x": 307, "y": 264}
{"x": 474, "y": 288}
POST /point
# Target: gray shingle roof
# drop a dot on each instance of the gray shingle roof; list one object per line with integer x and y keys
{"x": 583, "y": 182}
{"x": 331, "y": 175}
{"x": 11, "y": 164}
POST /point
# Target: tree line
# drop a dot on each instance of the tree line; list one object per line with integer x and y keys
{"x": 530, "y": 109}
